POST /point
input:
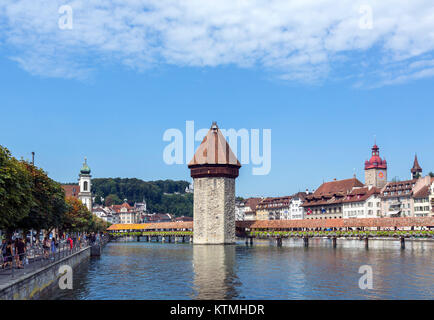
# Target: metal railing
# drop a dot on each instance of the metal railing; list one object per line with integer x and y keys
{"x": 37, "y": 257}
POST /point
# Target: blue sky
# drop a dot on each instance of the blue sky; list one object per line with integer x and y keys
{"x": 84, "y": 98}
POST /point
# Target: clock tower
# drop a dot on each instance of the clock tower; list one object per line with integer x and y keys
{"x": 84, "y": 182}
{"x": 376, "y": 169}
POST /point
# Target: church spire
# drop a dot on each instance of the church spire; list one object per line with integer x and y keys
{"x": 416, "y": 171}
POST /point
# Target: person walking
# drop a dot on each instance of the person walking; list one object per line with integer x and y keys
{"x": 46, "y": 245}
{"x": 9, "y": 254}
{"x": 15, "y": 251}
{"x": 20, "y": 250}
{"x": 53, "y": 246}
{"x": 3, "y": 253}
{"x": 71, "y": 243}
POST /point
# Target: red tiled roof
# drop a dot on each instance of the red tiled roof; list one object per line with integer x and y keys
{"x": 283, "y": 224}
{"x": 71, "y": 190}
{"x": 252, "y": 203}
{"x": 360, "y": 194}
{"x": 271, "y": 201}
{"x": 118, "y": 207}
{"x": 332, "y": 192}
{"x": 214, "y": 149}
{"x": 337, "y": 223}
{"x": 422, "y": 193}
{"x": 301, "y": 195}
{"x": 338, "y": 186}
{"x": 398, "y": 186}
{"x": 151, "y": 226}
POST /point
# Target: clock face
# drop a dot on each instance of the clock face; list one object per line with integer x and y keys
{"x": 381, "y": 175}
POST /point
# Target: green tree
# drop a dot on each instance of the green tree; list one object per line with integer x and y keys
{"x": 98, "y": 200}
{"x": 77, "y": 216}
{"x": 161, "y": 195}
{"x": 112, "y": 199}
{"x": 48, "y": 208}
{"x": 15, "y": 191}
{"x": 97, "y": 224}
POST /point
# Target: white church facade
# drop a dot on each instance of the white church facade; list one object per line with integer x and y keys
{"x": 82, "y": 191}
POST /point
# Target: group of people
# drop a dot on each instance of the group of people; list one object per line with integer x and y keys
{"x": 11, "y": 250}
{"x": 16, "y": 250}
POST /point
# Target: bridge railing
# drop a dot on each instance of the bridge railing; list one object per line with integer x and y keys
{"x": 152, "y": 233}
{"x": 37, "y": 257}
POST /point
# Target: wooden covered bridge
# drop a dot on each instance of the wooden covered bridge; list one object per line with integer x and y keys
{"x": 400, "y": 228}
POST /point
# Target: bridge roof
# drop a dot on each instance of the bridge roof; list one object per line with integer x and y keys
{"x": 151, "y": 226}
{"x": 285, "y": 224}
{"x": 338, "y": 223}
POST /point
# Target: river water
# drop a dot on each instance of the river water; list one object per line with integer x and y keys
{"x": 141, "y": 270}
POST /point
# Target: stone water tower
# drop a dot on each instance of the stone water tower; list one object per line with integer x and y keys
{"x": 214, "y": 168}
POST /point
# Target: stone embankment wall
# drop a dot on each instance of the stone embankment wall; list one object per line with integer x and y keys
{"x": 38, "y": 282}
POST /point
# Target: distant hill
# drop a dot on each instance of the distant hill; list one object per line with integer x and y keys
{"x": 162, "y": 196}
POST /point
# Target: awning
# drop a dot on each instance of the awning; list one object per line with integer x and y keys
{"x": 393, "y": 212}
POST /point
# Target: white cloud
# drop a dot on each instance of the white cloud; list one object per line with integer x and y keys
{"x": 306, "y": 40}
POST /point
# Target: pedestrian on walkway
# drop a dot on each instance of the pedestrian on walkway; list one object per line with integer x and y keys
{"x": 15, "y": 248}
{"x": 9, "y": 254}
{"x": 46, "y": 246}
{"x": 20, "y": 249}
{"x": 71, "y": 243}
{"x": 53, "y": 245}
{"x": 3, "y": 253}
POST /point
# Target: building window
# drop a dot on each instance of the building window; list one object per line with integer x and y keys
{"x": 85, "y": 186}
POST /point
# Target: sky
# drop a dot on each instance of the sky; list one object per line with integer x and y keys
{"x": 326, "y": 77}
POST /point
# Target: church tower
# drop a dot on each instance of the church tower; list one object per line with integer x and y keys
{"x": 214, "y": 168}
{"x": 416, "y": 171}
{"x": 376, "y": 169}
{"x": 85, "y": 186}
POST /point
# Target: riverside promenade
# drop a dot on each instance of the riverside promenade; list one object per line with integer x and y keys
{"x": 42, "y": 272}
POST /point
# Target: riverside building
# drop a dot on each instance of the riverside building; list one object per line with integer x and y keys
{"x": 276, "y": 208}
{"x": 327, "y": 201}
{"x": 362, "y": 203}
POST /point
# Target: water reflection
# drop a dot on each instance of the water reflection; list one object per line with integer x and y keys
{"x": 136, "y": 270}
{"x": 214, "y": 272}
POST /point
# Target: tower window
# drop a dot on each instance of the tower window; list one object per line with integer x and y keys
{"x": 85, "y": 186}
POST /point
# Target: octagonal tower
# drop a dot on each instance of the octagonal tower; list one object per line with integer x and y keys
{"x": 214, "y": 168}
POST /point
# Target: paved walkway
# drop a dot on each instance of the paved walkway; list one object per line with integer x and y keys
{"x": 37, "y": 262}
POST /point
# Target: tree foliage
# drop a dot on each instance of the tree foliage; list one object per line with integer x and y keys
{"x": 29, "y": 199}
{"x": 112, "y": 199}
{"x": 162, "y": 196}
{"x": 15, "y": 190}
{"x": 48, "y": 209}
{"x": 77, "y": 216}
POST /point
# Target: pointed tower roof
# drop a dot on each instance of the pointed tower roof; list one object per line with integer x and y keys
{"x": 214, "y": 149}
{"x": 214, "y": 157}
{"x": 416, "y": 167}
